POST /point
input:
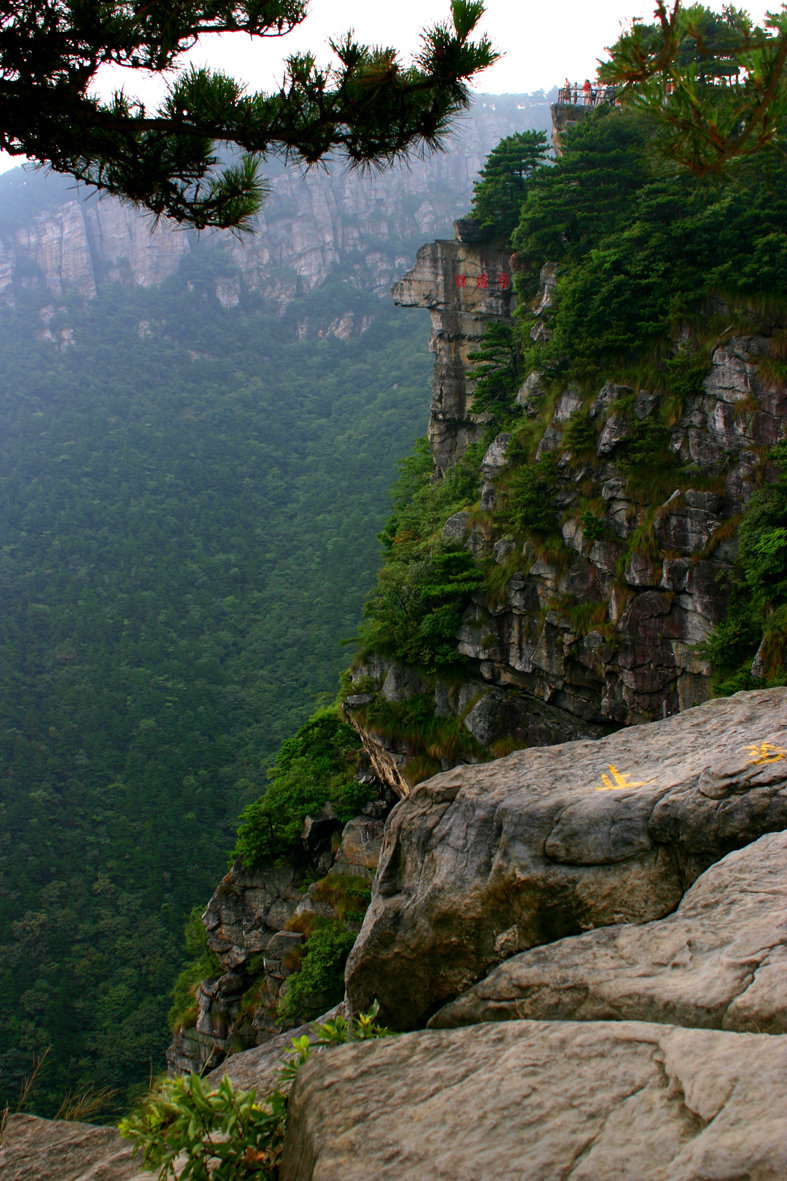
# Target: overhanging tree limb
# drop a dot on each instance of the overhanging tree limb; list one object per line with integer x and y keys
{"x": 369, "y": 108}
{"x": 713, "y": 85}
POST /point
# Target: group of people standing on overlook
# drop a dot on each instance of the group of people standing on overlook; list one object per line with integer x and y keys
{"x": 588, "y": 94}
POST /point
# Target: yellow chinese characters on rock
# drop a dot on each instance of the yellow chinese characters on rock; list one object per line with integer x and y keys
{"x": 765, "y": 752}
{"x": 615, "y": 781}
{"x": 759, "y": 753}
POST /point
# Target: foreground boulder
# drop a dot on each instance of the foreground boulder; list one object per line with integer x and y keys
{"x": 720, "y": 961}
{"x": 543, "y": 1100}
{"x": 481, "y": 863}
{"x": 34, "y": 1149}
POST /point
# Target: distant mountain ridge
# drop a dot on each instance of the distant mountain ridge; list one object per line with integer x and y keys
{"x": 59, "y": 239}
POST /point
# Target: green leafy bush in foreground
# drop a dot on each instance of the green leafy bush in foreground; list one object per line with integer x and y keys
{"x": 186, "y": 1129}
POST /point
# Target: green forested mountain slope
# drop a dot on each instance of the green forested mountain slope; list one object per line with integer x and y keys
{"x": 190, "y": 497}
{"x": 190, "y": 491}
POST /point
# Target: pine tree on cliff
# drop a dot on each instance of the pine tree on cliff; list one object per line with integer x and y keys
{"x": 500, "y": 190}
{"x": 369, "y": 108}
{"x": 712, "y": 85}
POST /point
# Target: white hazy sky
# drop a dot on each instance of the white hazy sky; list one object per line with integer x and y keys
{"x": 543, "y": 41}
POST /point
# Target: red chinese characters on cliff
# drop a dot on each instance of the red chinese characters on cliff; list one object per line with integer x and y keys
{"x": 503, "y": 281}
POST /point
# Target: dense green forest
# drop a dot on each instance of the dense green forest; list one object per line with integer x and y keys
{"x": 190, "y": 497}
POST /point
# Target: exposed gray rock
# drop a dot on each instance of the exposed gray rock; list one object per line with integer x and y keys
{"x": 36, "y": 1149}
{"x": 248, "y": 908}
{"x": 467, "y": 230}
{"x": 546, "y": 1100}
{"x": 259, "y": 1068}
{"x": 531, "y": 394}
{"x": 495, "y": 458}
{"x": 359, "y": 851}
{"x": 720, "y": 961}
{"x": 465, "y": 286}
{"x": 457, "y": 527}
{"x": 480, "y": 863}
{"x": 503, "y": 549}
{"x": 253, "y": 924}
{"x": 402, "y": 682}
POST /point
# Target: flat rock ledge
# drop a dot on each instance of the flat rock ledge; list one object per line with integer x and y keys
{"x": 720, "y": 961}
{"x": 481, "y": 863}
{"x": 545, "y": 1101}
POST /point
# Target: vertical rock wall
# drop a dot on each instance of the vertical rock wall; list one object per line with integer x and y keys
{"x": 465, "y": 286}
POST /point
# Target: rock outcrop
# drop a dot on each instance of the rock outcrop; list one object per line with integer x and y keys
{"x": 256, "y": 923}
{"x": 479, "y": 864}
{"x": 466, "y": 285}
{"x": 546, "y": 1100}
{"x": 64, "y": 1150}
{"x": 604, "y": 626}
{"x": 718, "y": 962}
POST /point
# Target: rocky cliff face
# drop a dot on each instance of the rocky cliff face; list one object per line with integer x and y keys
{"x": 596, "y": 631}
{"x": 602, "y": 625}
{"x": 310, "y": 224}
{"x": 466, "y": 286}
{"x": 256, "y": 923}
{"x": 650, "y": 563}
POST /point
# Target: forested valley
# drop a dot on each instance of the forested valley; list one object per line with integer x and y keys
{"x": 190, "y": 497}
{"x": 197, "y": 438}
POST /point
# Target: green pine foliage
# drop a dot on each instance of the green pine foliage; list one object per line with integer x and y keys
{"x": 497, "y": 374}
{"x": 415, "y": 611}
{"x": 367, "y": 107}
{"x": 756, "y": 620}
{"x": 641, "y": 252}
{"x": 711, "y": 84}
{"x": 527, "y": 504}
{"x": 503, "y": 180}
{"x": 318, "y": 984}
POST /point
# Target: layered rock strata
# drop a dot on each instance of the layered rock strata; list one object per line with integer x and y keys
{"x": 604, "y": 626}
{"x": 609, "y": 631}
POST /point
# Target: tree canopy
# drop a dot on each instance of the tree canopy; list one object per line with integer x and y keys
{"x": 368, "y": 108}
{"x": 714, "y": 85}
{"x": 499, "y": 192}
